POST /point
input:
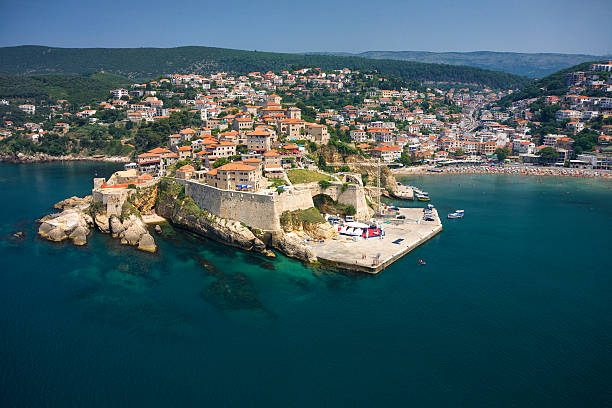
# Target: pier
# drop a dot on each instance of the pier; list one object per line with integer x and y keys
{"x": 372, "y": 255}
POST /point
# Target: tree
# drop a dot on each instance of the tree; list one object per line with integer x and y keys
{"x": 548, "y": 154}
{"x": 502, "y": 153}
{"x": 459, "y": 152}
{"x": 405, "y": 158}
{"x": 220, "y": 162}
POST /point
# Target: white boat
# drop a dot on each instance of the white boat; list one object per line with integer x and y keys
{"x": 456, "y": 214}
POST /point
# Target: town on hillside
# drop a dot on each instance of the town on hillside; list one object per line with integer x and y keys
{"x": 274, "y": 122}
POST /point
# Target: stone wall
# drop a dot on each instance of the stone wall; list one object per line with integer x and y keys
{"x": 263, "y": 211}
{"x": 254, "y": 210}
{"x": 353, "y": 195}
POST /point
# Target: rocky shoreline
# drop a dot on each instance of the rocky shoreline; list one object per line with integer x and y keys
{"x": 21, "y": 158}
{"x": 78, "y": 217}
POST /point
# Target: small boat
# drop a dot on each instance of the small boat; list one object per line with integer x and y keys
{"x": 456, "y": 214}
{"x": 421, "y": 262}
{"x": 422, "y": 197}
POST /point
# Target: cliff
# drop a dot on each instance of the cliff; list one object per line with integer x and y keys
{"x": 182, "y": 211}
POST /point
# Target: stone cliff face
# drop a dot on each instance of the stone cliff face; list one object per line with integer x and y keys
{"x": 183, "y": 212}
{"x": 145, "y": 199}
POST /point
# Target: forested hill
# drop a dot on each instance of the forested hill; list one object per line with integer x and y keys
{"x": 139, "y": 63}
{"x": 555, "y": 84}
{"x": 533, "y": 65}
{"x": 77, "y": 89}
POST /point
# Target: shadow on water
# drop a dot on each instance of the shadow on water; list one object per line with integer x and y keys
{"x": 338, "y": 279}
{"x": 253, "y": 259}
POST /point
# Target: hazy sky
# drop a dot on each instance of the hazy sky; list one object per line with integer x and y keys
{"x": 333, "y": 25}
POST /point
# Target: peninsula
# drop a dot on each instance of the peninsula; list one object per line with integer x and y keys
{"x": 296, "y": 160}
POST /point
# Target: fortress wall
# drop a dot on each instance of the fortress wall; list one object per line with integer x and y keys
{"x": 294, "y": 199}
{"x": 255, "y": 210}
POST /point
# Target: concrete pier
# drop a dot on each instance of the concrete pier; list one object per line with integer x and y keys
{"x": 374, "y": 254}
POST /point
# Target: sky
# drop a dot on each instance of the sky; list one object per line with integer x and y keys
{"x": 583, "y": 27}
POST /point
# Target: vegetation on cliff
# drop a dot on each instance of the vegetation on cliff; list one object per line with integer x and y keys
{"x": 305, "y": 217}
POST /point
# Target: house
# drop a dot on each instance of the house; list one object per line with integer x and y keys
{"x": 232, "y": 175}
{"x": 317, "y": 133}
{"x": 184, "y": 152}
{"x": 359, "y": 136}
{"x": 187, "y": 134}
{"x": 119, "y": 93}
{"x": 185, "y": 172}
{"x": 387, "y": 154}
{"x": 62, "y": 127}
{"x": 291, "y": 128}
{"x": 175, "y": 140}
{"x": 258, "y": 140}
{"x": 382, "y": 135}
{"x": 242, "y": 123}
{"x": 27, "y": 108}
{"x": 575, "y": 126}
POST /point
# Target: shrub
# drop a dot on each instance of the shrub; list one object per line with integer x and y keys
{"x": 350, "y": 210}
{"x": 324, "y": 184}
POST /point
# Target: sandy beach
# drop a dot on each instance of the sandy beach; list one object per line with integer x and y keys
{"x": 507, "y": 169}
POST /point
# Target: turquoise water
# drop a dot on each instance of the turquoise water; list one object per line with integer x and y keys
{"x": 512, "y": 309}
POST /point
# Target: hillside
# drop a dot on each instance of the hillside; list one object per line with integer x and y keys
{"x": 526, "y": 64}
{"x": 554, "y": 84}
{"x": 76, "y": 88}
{"x": 141, "y": 63}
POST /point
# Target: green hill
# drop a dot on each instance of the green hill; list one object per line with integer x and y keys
{"x": 75, "y": 88}
{"x": 555, "y": 84}
{"x": 533, "y": 65}
{"x": 139, "y": 63}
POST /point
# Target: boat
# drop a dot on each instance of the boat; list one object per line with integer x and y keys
{"x": 456, "y": 214}
{"x": 422, "y": 197}
{"x": 422, "y": 262}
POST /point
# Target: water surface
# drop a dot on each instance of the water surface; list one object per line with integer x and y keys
{"x": 512, "y": 308}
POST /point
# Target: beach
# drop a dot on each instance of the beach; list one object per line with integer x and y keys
{"x": 506, "y": 169}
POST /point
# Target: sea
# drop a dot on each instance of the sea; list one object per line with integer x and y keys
{"x": 512, "y": 309}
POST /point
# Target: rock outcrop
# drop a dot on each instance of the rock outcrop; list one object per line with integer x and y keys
{"x": 74, "y": 202}
{"x": 291, "y": 245}
{"x": 71, "y": 223}
{"x": 135, "y": 233}
{"x": 74, "y": 223}
{"x": 102, "y": 222}
{"x": 116, "y": 227}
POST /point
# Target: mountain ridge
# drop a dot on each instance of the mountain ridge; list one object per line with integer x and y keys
{"x": 533, "y": 65}
{"x": 141, "y": 63}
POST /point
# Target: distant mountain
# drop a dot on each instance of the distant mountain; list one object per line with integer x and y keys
{"x": 525, "y": 64}
{"x": 141, "y": 63}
